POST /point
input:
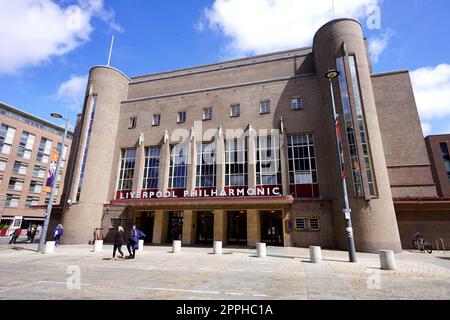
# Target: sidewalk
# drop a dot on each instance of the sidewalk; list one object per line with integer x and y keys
{"x": 197, "y": 274}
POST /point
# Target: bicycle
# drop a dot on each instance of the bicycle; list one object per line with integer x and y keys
{"x": 419, "y": 243}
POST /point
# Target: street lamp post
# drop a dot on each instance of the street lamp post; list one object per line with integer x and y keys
{"x": 53, "y": 192}
{"x": 332, "y": 74}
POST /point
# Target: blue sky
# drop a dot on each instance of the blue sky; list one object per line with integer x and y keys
{"x": 44, "y": 66}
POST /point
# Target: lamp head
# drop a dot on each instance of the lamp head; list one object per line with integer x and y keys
{"x": 331, "y": 74}
{"x": 56, "y": 115}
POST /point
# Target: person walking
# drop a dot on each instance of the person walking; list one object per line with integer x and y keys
{"x": 29, "y": 233}
{"x": 118, "y": 242}
{"x": 14, "y": 236}
{"x": 58, "y": 233}
{"x": 33, "y": 234}
{"x": 133, "y": 241}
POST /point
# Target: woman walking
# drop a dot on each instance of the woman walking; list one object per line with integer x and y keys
{"x": 133, "y": 241}
{"x": 118, "y": 242}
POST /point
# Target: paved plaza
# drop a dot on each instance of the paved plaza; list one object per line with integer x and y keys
{"x": 75, "y": 272}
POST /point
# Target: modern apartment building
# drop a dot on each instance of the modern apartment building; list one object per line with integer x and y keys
{"x": 26, "y": 145}
{"x": 245, "y": 151}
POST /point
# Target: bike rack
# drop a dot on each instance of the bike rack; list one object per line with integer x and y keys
{"x": 442, "y": 243}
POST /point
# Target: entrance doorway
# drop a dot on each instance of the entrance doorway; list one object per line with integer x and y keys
{"x": 205, "y": 227}
{"x": 237, "y": 227}
{"x": 145, "y": 223}
{"x": 272, "y": 228}
{"x": 175, "y": 231}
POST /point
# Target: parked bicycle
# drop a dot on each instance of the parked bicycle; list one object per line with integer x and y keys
{"x": 419, "y": 243}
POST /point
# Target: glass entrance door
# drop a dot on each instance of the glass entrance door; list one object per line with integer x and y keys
{"x": 272, "y": 228}
{"x": 145, "y": 223}
{"x": 237, "y": 227}
{"x": 175, "y": 231}
{"x": 205, "y": 227}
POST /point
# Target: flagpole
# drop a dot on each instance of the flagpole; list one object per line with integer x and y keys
{"x": 110, "y": 51}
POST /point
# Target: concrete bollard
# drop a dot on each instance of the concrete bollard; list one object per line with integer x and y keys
{"x": 176, "y": 248}
{"x": 261, "y": 250}
{"x": 217, "y": 247}
{"x": 49, "y": 247}
{"x": 387, "y": 260}
{"x": 315, "y": 254}
{"x": 141, "y": 245}
{"x": 98, "y": 246}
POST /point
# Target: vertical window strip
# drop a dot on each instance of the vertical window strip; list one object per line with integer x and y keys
{"x": 302, "y": 162}
{"x": 362, "y": 127}
{"x": 86, "y": 147}
{"x": 206, "y": 165}
{"x": 151, "y": 169}
{"x": 236, "y": 162}
{"x": 268, "y": 161}
{"x": 348, "y": 119}
{"x": 127, "y": 167}
{"x": 178, "y": 166}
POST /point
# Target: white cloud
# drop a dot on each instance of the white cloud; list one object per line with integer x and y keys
{"x": 378, "y": 44}
{"x": 33, "y": 31}
{"x": 432, "y": 91}
{"x": 259, "y": 26}
{"x": 71, "y": 93}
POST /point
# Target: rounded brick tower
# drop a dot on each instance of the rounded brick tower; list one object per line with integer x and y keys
{"x": 340, "y": 45}
{"x": 93, "y": 156}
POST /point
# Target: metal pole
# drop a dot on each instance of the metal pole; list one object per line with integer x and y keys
{"x": 52, "y": 195}
{"x": 347, "y": 211}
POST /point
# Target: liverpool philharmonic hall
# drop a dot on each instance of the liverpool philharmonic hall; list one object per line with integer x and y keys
{"x": 245, "y": 151}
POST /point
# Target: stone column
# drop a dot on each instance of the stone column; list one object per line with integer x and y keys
{"x": 284, "y": 165}
{"x": 188, "y": 222}
{"x": 253, "y": 227}
{"x": 158, "y": 227}
{"x": 192, "y": 165}
{"x": 220, "y": 158}
{"x": 251, "y": 158}
{"x": 164, "y": 165}
{"x": 220, "y": 226}
{"x": 139, "y": 169}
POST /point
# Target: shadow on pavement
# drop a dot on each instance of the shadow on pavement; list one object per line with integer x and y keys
{"x": 23, "y": 249}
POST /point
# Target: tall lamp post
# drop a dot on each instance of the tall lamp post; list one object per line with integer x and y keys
{"x": 53, "y": 192}
{"x": 330, "y": 75}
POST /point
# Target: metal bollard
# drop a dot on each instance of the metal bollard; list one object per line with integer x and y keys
{"x": 315, "y": 254}
{"x": 141, "y": 245}
{"x": 49, "y": 247}
{"x": 261, "y": 250}
{"x": 98, "y": 246}
{"x": 387, "y": 260}
{"x": 176, "y": 248}
{"x": 217, "y": 247}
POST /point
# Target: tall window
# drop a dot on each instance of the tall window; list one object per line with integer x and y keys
{"x": 178, "y": 168}
{"x": 235, "y": 111}
{"x": 20, "y": 168}
{"x": 182, "y": 117}
{"x": 86, "y": 147}
{"x": 268, "y": 163}
{"x": 31, "y": 201}
{"x": 206, "y": 165}
{"x": 207, "y": 113}
{"x": 3, "y": 165}
{"x": 15, "y": 184}
{"x": 12, "y": 201}
{"x": 297, "y": 103}
{"x": 446, "y": 156}
{"x": 302, "y": 166}
{"x": 151, "y": 168}
{"x": 126, "y": 174}
{"x": 362, "y": 126}
{"x": 26, "y": 145}
{"x": 133, "y": 123}
{"x": 45, "y": 148}
{"x": 264, "y": 107}
{"x": 236, "y": 163}
{"x": 156, "y": 120}
{"x": 7, "y": 134}
{"x": 63, "y": 152}
{"x": 348, "y": 118}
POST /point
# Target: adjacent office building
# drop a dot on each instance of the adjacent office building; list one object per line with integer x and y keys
{"x": 438, "y": 147}
{"x": 26, "y": 145}
{"x": 245, "y": 151}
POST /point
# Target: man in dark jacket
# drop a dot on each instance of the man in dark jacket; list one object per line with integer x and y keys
{"x": 118, "y": 242}
{"x": 133, "y": 241}
{"x": 14, "y": 236}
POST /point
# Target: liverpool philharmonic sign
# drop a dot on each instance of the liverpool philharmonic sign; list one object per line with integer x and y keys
{"x": 211, "y": 193}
